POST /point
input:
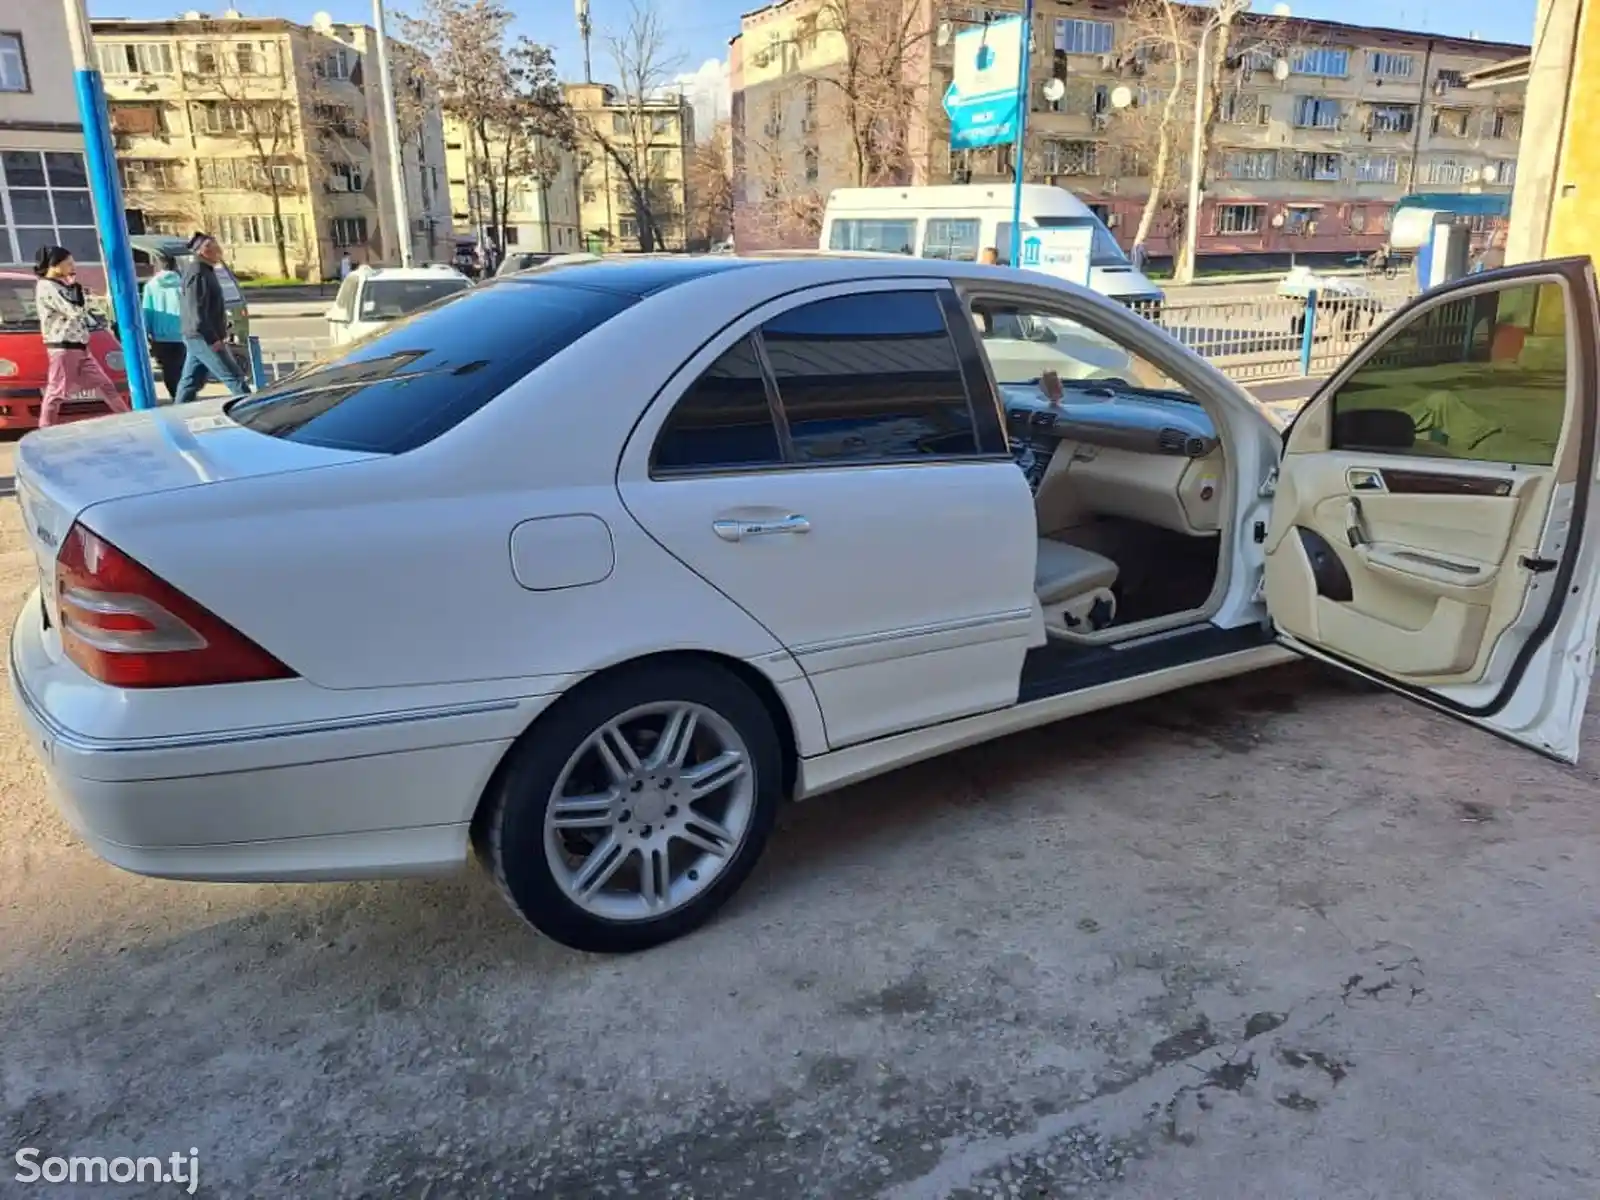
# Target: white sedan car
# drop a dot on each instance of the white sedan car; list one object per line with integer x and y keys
{"x": 372, "y": 297}
{"x": 590, "y": 569}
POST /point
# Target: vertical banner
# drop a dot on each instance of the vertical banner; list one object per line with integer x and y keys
{"x": 982, "y": 98}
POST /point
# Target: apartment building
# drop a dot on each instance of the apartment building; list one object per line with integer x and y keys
{"x": 655, "y": 136}
{"x": 541, "y": 208}
{"x": 272, "y": 136}
{"x": 44, "y": 186}
{"x": 1311, "y": 163}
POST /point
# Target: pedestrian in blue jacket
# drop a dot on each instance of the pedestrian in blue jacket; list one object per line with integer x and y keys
{"x": 163, "y": 321}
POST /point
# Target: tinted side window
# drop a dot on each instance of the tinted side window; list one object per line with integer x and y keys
{"x": 870, "y": 377}
{"x": 422, "y": 375}
{"x": 1482, "y": 379}
{"x": 897, "y": 235}
{"x": 723, "y": 420}
{"x": 951, "y": 237}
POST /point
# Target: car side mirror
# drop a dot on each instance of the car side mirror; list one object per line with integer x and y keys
{"x": 1377, "y": 429}
{"x": 336, "y": 315}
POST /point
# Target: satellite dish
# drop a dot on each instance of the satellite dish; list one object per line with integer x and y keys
{"x": 322, "y": 21}
{"x": 1489, "y": 174}
{"x": 1280, "y": 10}
{"x": 1054, "y": 89}
{"x": 946, "y": 32}
{"x": 1121, "y": 96}
{"x": 192, "y": 15}
{"x": 1280, "y": 69}
{"x": 231, "y": 14}
{"x": 1277, "y": 220}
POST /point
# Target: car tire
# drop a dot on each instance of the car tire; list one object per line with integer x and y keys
{"x": 512, "y": 831}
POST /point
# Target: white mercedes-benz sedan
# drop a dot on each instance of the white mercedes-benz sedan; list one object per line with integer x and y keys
{"x": 588, "y": 570}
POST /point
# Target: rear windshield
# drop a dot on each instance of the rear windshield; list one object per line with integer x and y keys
{"x": 386, "y": 299}
{"x": 17, "y": 307}
{"x": 410, "y": 381}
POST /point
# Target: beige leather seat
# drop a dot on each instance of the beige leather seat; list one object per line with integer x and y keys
{"x": 1074, "y": 588}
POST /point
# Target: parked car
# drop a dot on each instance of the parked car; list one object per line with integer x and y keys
{"x": 24, "y": 363}
{"x": 515, "y": 263}
{"x": 372, "y": 297}
{"x": 609, "y": 561}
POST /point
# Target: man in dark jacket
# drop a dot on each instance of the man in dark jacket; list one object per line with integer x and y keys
{"x": 205, "y": 325}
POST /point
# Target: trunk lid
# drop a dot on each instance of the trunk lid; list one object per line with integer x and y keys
{"x": 65, "y": 469}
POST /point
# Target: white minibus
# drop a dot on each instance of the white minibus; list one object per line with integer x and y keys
{"x": 960, "y": 220}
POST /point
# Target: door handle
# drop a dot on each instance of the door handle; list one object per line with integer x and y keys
{"x": 1356, "y": 532}
{"x": 737, "y": 531}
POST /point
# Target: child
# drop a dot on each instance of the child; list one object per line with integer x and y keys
{"x": 64, "y": 322}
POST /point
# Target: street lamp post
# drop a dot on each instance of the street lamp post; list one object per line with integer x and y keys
{"x": 100, "y": 158}
{"x": 397, "y": 170}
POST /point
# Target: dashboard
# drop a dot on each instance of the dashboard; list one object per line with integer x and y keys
{"x": 1111, "y": 449}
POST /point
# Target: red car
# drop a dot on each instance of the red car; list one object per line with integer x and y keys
{"x": 24, "y": 363}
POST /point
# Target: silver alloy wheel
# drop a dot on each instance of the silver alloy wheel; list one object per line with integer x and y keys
{"x": 649, "y": 811}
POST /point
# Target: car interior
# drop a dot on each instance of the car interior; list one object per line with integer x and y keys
{"x": 1126, "y": 468}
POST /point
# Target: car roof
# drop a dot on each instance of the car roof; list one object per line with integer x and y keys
{"x": 634, "y": 274}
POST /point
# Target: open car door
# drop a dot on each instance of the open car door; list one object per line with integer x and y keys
{"x": 1434, "y": 524}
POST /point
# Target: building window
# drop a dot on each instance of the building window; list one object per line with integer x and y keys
{"x": 1392, "y": 118}
{"x": 139, "y": 120}
{"x": 1240, "y": 108}
{"x": 1377, "y": 168}
{"x": 1506, "y": 123}
{"x": 336, "y": 65}
{"x": 166, "y": 225}
{"x": 1249, "y": 164}
{"x": 247, "y": 175}
{"x": 253, "y": 230}
{"x": 1444, "y": 170}
{"x": 205, "y": 59}
{"x": 136, "y": 58}
{"x": 1390, "y": 65}
{"x": 1240, "y": 218}
{"x": 349, "y": 231}
{"x": 47, "y": 196}
{"x": 621, "y": 124}
{"x": 1315, "y": 112}
{"x": 1300, "y": 220}
{"x": 1071, "y": 158}
{"x": 1317, "y": 168}
{"x": 13, "y": 64}
{"x": 1505, "y": 171}
{"x": 660, "y": 123}
{"x": 1447, "y": 79}
{"x": 1329, "y": 62}
{"x": 248, "y": 59}
{"x": 346, "y": 177}
{"x": 149, "y": 174}
{"x": 628, "y": 228}
{"x": 1083, "y": 37}
{"x": 813, "y": 169}
{"x": 1452, "y": 122}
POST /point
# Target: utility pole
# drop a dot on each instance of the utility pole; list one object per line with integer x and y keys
{"x": 397, "y": 170}
{"x": 1024, "y": 101}
{"x": 101, "y": 159}
{"x": 584, "y": 30}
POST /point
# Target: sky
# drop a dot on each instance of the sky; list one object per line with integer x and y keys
{"x": 700, "y": 29}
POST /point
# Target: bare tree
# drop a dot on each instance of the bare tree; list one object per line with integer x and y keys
{"x": 711, "y": 187}
{"x": 502, "y": 91}
{"x": 639, "y": 135}
{"x": 247, "y": 91}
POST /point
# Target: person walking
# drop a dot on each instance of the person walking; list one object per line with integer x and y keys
{"x": 205, "y": 326}
{"x": 64, "y": 324}
{"x": 163, "y": 321}
{"x": 346, "y": 265}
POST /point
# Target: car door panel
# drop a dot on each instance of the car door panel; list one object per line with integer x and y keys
{"x": 903, "y": 589}
{"x": 1431, "y": 565}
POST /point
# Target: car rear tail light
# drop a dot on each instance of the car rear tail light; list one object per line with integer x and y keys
{"x": 126, "y": 627}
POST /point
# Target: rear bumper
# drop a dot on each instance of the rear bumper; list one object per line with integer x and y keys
{"x": 380, "y": 794}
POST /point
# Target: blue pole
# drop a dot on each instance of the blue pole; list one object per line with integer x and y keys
{"x": 115, "y": 250}
{"x": 1024, "y": 96}
{"x": 1309, "y": 332}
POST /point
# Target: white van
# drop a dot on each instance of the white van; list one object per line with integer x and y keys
{"x": 959, "y": 220}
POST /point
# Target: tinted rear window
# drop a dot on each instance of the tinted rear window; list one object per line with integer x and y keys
{"x": 18, "y": 310}
{"x": 386, "y": 299}
{"x": 421, "y": 375}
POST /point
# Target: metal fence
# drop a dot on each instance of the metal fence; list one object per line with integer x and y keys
{"x": 1268, "y": 337}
